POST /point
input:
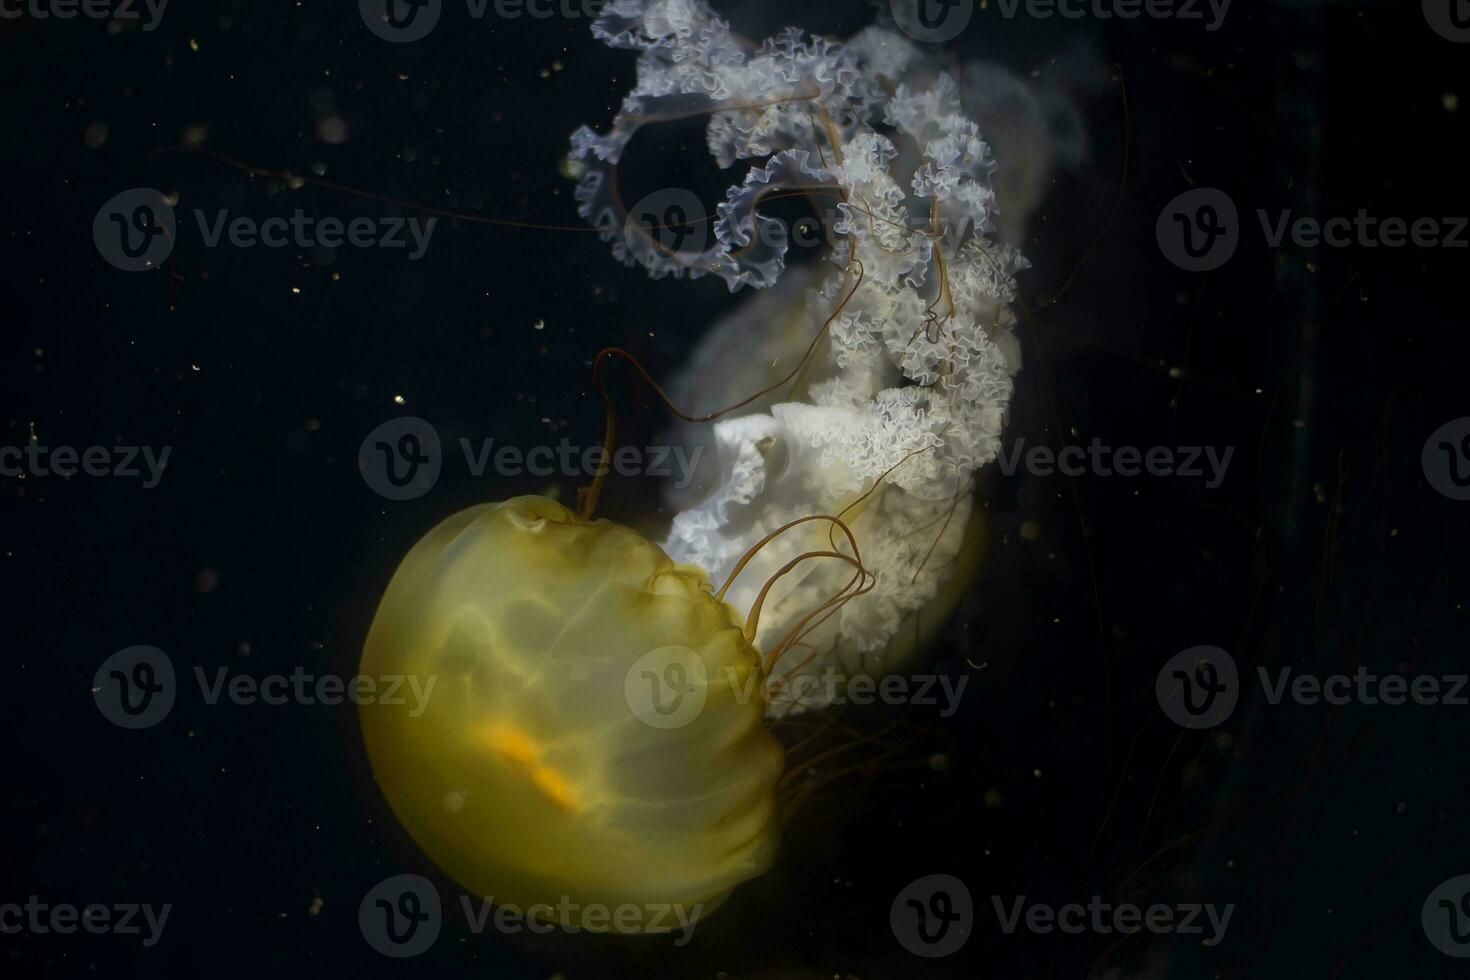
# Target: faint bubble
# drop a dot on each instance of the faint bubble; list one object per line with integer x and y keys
{"x": 572, "y": 168}
{"x": 95, "y": 135}
{"x": 332, "y": 130}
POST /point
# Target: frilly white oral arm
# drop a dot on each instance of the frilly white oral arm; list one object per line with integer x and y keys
{"x": 907, "y": 392}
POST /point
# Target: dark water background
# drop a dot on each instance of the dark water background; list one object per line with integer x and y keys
{"x": 262, "y": 550}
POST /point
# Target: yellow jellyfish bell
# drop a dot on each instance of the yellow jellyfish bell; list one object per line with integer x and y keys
{"x": 593, "y": 737}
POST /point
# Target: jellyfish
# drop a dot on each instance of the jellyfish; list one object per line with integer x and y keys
{"x": 554, "y": 759}
{"x": 600, "y": 729}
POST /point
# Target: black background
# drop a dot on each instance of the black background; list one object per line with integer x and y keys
{"x": 1324, "y": 549}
